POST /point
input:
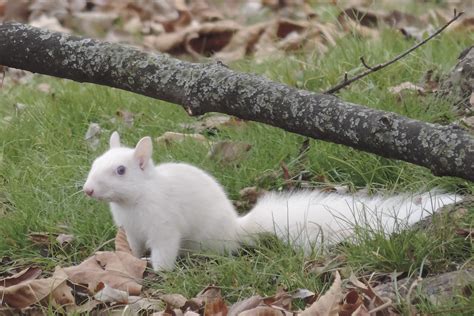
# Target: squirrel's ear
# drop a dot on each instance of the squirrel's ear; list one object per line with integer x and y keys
{"x": 143, "y": 151}
{"x": 114, "y": 140}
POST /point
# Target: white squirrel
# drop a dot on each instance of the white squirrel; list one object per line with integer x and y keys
{"x": 176, "y": 207}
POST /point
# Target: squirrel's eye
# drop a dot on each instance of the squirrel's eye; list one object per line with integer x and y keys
{"x": 121, "y": 170}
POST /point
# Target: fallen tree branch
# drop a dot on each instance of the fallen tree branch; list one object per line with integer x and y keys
{"x": 370, "y": 69}
{"x": 202, "y": 88}
{"x": 437, "y": 289}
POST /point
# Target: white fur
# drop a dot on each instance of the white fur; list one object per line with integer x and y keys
{"x": 311, "y": 218}
{"x": 175, "y": 207}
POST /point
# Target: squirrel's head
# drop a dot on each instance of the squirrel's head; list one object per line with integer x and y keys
{"x": 117, "y": 174}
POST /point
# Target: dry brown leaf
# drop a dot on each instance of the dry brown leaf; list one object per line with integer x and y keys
{"x": 375, "y": 300}
{"x": 173, "y": 137}
{"x": 167, "y": 42}
{"x": 363, "y": 17}
{"x": 183, "y": 20}
{"x": 208, "y": 293}
{"x": 3, "y": 4}
{"x": 44, "y": 87}
{"x": 229, "y": 151}
{"x": 84, "y": 309}
{"x": 352, "y": 303}
{"x": 471, "y": 100}
{"x": 135, "y": 25}
{"x": 31, "y": 291}
{"x": 242, "y": 43}
{"x": 215, "y": 306}
{"x": 285, "y": 27}
{"x": 16, "y": 76}
{"x": 120, "y": 270}
{"x": 173, "y": 15}
{"x": 166, "y": 9}
{"x": 283, "y": 35}
{"x": 265, "y": 311}
{"x": 363, "y": 31}
{"x": 406, "y": 86}
{"x": 169, "y": 312}
{"x": 413, "y": 32}
{"x": 16, "y": 10}
{"x": 281, "y": 299}
{"x": 29, "y": 273}
{"x": 244, "y": 305}
{"x": 468, "y": 122}
{"x": 210, "y": 298}
{"x": 92, "y": 136}
{"x": 430, "y": 82}
{"x": 327, "y": 304}
{"x": 361, "y": 311}
{"x": 370, "y": 18}
{"x": 251, "y": 194}
{"x": 62, "y": 294}
{"x": 466, "y": 24}
{"x": 204, "y": 12}
{"x": 400, "y": 19}
{"x": 358, "y": 284}
{"x": 304, "y": 294}
{"x": 52, "y": 8}
{"x": 107, "y": 294}
{"x": 174, "y": 300}
{"x": 197, "y": 40}
{"x": 77, "y": 5}
{"x": 212, "y": 122}
{"x": 328, "y": 31}
{"x": 93, "y": 23}
{"x": 49, "y": 22}
{"x": 323, "y": 265}
{"x": 121, "y": 242}
{"x": 266, "y": 44}
{"x": 143, "y": 305}
{"x": 126, "y": 116}
{"x": 210, "y": 38}
{"x": 39, "y": 238}
{"x": 64, "y": 239}
{"x": 465, "y": 232}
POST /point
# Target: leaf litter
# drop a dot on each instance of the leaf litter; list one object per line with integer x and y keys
{"x": 227, "y": 31}
{"x": 111, "y": 280}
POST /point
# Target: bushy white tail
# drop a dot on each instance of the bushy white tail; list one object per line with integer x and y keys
{"x": 309, "y": 218}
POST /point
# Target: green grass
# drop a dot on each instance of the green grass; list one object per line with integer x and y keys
{"x": 44, "y": 161}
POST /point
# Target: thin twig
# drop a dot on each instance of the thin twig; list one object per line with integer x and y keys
{"x": 362, "y": 60}
{"x": 370, "y": 70}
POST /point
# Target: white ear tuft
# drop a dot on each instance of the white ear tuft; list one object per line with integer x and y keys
{"x": 143, "y": 151}
{"x": 114, "y": 141}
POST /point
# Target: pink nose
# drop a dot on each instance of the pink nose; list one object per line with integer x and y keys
{"x": 89, "y": 192}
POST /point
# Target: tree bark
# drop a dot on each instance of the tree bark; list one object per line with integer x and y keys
{"x": 201, "y": 88}
{"x": 438, "y": 289}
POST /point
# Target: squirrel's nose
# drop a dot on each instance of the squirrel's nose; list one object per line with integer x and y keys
{"x": 89, "y": 192}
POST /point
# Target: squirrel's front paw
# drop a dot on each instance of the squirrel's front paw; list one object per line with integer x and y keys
{"x": 162, "y": 261}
